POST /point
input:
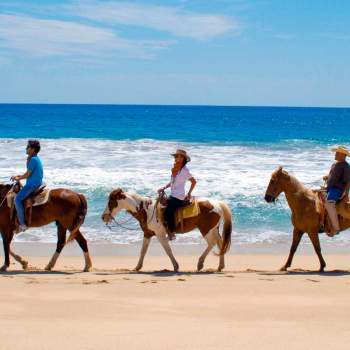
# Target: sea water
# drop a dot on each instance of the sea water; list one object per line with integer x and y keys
{"x": 93, "y": 149}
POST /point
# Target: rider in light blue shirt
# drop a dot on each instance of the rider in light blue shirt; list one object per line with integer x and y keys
{"x": 33, "y": 175}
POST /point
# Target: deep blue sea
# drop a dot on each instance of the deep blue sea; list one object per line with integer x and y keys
{"x": 95, "y": 148}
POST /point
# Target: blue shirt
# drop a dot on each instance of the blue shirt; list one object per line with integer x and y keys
{"x": 36, "y": 167}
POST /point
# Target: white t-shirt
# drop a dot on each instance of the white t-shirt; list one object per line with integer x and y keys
{"x": 178, "y": 183}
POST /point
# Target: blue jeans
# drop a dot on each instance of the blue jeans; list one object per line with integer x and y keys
{"x": 334, "y": 194}
{"x": 169, "y": 213}
{"x": 21, "y": 196}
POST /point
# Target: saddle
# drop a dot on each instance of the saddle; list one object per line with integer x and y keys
{"x": 342, "y": 207}
{"x": 190, "y": 210}
{"x": 39, "y": 197}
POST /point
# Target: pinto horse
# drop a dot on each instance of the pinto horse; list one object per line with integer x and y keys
{"x": 67, "y": 208}
{"x": 144, "y": 209}
{"x": 306, "y": 213}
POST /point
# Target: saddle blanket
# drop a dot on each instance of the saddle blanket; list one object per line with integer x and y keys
{"x": 189, "y": 211}
{"x": 39, "y": 199}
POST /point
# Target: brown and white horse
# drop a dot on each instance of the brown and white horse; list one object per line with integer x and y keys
{"x": 67, "y": 208}
{"x": 212, "y": 213}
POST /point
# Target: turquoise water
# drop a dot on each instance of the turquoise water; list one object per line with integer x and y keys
{"x": 94, "y": 149}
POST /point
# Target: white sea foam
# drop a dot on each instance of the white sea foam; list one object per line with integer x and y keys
{"x": 236, "y": 173}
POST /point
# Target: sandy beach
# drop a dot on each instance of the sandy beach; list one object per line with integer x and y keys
{"x": 248, "y": 306}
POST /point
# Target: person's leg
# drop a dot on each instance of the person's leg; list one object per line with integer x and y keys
{"x": 333, "y": 195}
{"x": 169, "y": 214}
{"x": 21, "y": 196}
{"x": 173, "y": 205}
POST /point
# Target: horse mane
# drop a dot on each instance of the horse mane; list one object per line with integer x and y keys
{"x": 296, "y": 183}
{"x": 138, "y": 197}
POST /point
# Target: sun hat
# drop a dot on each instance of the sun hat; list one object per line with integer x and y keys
{"x": 183, "y": 153}
{"x": 341, "y": 149}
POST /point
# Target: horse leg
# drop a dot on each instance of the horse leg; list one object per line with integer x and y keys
{"x": 6, "y": 239}
{"x": 18, "y": 258}
{"x": 166, "y": 246}
{"x": 316, "y": 243}
{"x": 83, "y": 245}
{"x": 211, "y": 240}
{"x": 297, "y": 234}
{"x": 144, "y": 248}
{"x": 61, "y": 241}
{"x": 222, "y": 256}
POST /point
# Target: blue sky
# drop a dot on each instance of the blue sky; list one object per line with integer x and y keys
{"x": 217, "y": 52}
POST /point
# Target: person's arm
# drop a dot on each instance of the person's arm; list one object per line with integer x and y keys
{"x": 162, "y": 189}
{"x": 193, "y": 185}
{"x": 27, "y": 174}
{"x": 30, "y": 168}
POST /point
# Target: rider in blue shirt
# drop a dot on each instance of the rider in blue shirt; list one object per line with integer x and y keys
{"x": 34, "y": 179}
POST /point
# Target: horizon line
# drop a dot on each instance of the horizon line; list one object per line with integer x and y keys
{"x": 169, "y": 105}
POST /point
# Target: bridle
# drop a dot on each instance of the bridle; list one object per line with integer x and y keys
{"x": 159, "y": 199}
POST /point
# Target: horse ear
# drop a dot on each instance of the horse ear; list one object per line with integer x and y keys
{"x": 279, "y": 169}
{"x": 120, "y": 194}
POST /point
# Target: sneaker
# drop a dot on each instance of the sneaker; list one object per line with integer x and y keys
{"x": 22, "y": 228}
{"x": 332, "y": 234}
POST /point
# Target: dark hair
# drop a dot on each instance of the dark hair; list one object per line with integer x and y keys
{"x": 35, "y": 144}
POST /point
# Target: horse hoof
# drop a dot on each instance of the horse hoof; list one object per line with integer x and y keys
{"x": 3, "y": 268}
{"x": 283, "y": 269}
{"x": 200, "y": 267}
{"x": 137, "y": 268}
{"x": 25, "y": 265}
{"x": 48, "y": 268}
{"x": 87, "y": 269}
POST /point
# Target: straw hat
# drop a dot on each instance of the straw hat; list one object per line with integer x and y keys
{"x": 341, "y": 149}
{"x": 183, "y": 153}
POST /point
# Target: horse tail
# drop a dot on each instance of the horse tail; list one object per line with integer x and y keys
{"x": 80, "y": 218}
{"x": 227, "y": 229}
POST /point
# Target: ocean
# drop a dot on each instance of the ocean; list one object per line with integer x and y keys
{"x": 96, "y": 148}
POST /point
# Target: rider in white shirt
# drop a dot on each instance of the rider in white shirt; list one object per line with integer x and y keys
{"x": 178, "y": 198}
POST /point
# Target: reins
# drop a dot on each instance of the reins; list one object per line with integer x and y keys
{"x": 121, "y": 224}
{"x": 5, "y": 197}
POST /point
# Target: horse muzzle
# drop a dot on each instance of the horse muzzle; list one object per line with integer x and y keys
{"x": 269, "y": 198}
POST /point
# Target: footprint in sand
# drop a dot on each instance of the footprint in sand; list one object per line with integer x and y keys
{"x": 311, "y": 280}
{"x": 228, "y": 276}
{"x": 32, "y": 282}
{"x": 151, "y": 281}
{"x": 266, "y": 279}
{"x": 181, "y": 280}
{"x": 96, "y": 282}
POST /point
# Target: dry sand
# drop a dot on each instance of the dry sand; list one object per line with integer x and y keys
{"x": 115, "y": 308}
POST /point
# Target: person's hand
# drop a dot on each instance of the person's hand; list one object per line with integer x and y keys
{"x": 345, "y": 197}
{"x": 325, "y": 178}
{"x": 188, "y": 197}
{"x": 160, "y": 190}
{"x": 15, "y": 178}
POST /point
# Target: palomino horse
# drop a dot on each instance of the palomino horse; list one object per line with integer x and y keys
{"x": 306, "y": 212}
{"x": 145, "y": 211}
{"x": 67, "y": 208}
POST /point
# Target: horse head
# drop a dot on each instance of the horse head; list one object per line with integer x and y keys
{"x": 4, "y": 189}
{"x": 114, "y": 205}
{"x": 276, "y": 185}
